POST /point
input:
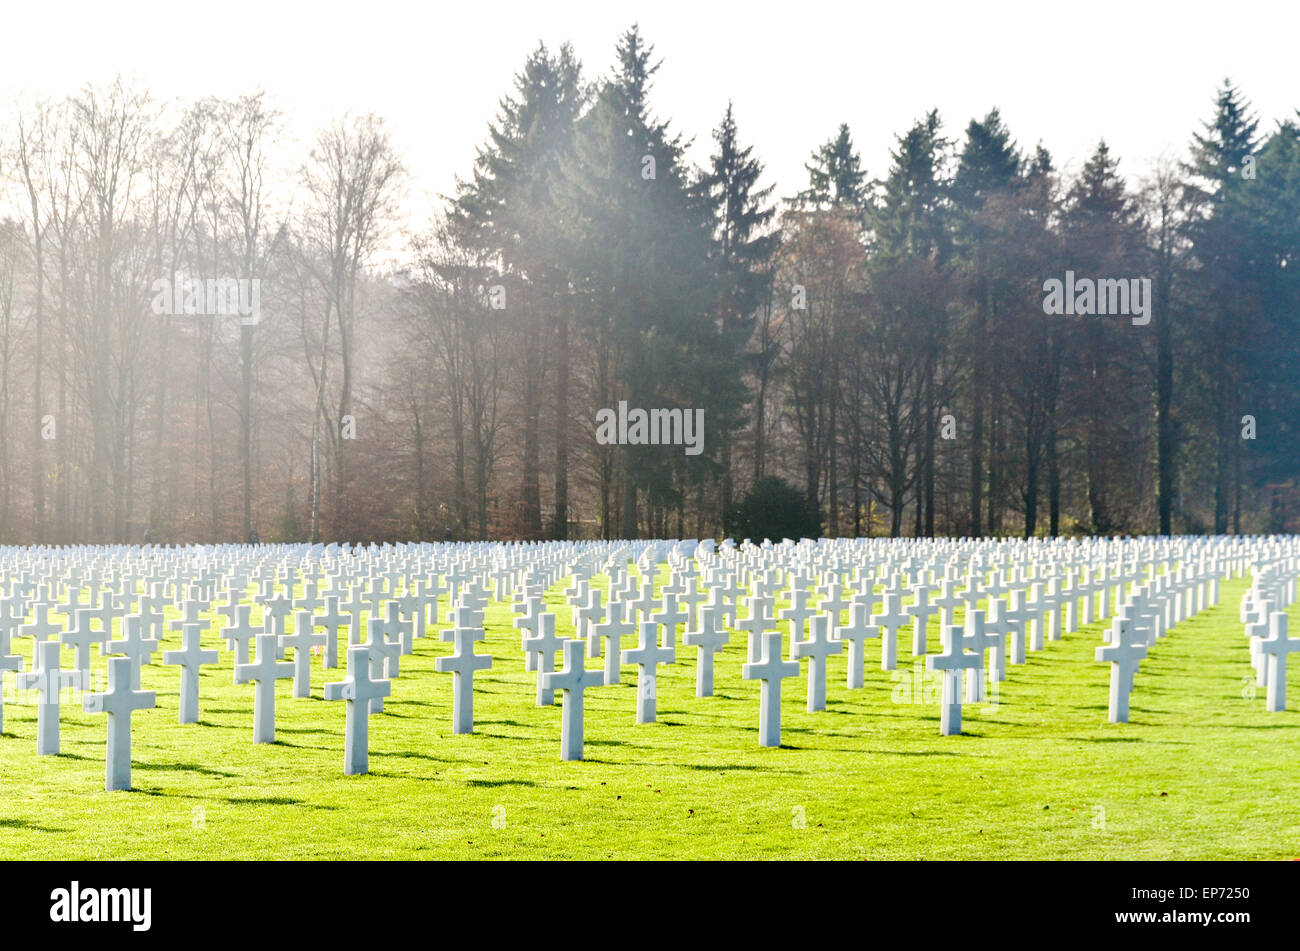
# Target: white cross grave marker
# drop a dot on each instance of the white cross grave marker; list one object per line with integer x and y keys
{"x": 382, "y": 651}
{"x": 331, "y": 621}
{"x": 302, "y": 640}
{"x": 190, "y": 658}
{"x": 708, "y": 638}
{"x": 48, "y": 680}
{"x": 611, "y": 631}
{"x": 1123, "y": 655}
{"x": 572, "y": 681}
{"x": 81, "y": 637}
{"x": 137, "y": 648}
{"x": 1276, "y": 647}
{"x": 648, "y": 655}
{"x": 816, "y": 648}
{"x": 119, "y": 702}
{"x": 239, "y": 636}
{"x": 855, "y": 633}
{"x": 8, "y": 661}
{"x": 771, "y": 670}
{"x": 543, "y": 644}
{"x": 264, "y": 673}
{"x": 462, "y": 663}
{"x": 920, "y": 610}
{"x": 889, "y": 620}
{"x": 952, "y": 662}
{"x": 358, "y": 689}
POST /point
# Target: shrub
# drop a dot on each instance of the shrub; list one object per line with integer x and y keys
{"x": 774, "y": 509}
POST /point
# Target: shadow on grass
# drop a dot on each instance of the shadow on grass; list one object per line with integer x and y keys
{"x": 301, "y": 746}
{"x": 913, "y": 752}
{"x": 167, "y": 793}
{"x": 746, "y": 768}
{"x": 26, "y": 825}
{"x": 1260, "y": 726}
{"x": 816, "y": 732}
{"x": 185, "y": 767}
{"x": 411, "y": 754}
{"x": 630, "y": 746}
{"x": 493, "y": 783}
{"x": 275, "y": 801}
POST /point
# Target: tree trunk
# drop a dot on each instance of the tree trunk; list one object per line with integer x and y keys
{"x": 629, "y": 496}
{"x": 246, "y": 424}
{"x": 530, "y": 488}
{"x": 38, "y": 439}
{"x": 1053, "y": 484}
{"x": 560, "y": 521}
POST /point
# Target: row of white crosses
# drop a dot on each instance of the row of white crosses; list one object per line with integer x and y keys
{"x": 125, "y": 572}
{"x": 1150, "y": 611}
{"x": 392, "y": 592}
{"x": 1263, "y": 612}
{"x": 1061, "y": 597}
{"x": 1186, "y": 591}
{"x": 372, "y": 665}
{"x": 379, "y": 653}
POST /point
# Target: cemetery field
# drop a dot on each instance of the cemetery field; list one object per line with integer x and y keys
{"x": 1201, "y": 772}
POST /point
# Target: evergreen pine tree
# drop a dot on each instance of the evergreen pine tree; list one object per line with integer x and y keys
{"x": 835, "y": 176}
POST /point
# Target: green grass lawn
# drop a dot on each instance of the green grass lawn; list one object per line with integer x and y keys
{"x": 1201, "y": 772}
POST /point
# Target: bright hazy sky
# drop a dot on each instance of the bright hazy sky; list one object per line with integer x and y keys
{"x": 1141, "y": 74}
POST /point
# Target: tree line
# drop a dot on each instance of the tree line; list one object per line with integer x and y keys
{"x": 884, "y": 345}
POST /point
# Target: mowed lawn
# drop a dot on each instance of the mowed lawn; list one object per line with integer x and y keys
{"x": 1201, "y": 772}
